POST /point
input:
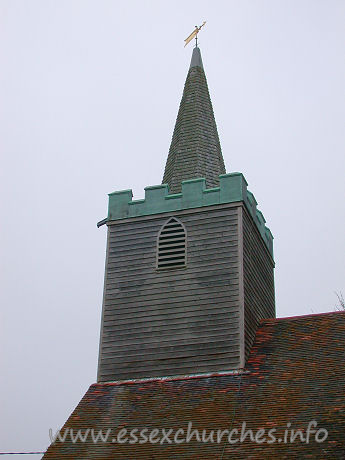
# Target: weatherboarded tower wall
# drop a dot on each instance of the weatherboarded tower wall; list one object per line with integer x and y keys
{"x": 258, "y": 279}
{"x": 160, "y": 322}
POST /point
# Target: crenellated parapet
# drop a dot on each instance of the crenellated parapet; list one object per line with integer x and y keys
{"x": 232, "y": 188}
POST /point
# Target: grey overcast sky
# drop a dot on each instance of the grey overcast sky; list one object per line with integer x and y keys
{"x": 89, "y": 93}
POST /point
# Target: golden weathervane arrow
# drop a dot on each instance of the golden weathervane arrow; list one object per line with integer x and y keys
{"x": 194, "y": 34}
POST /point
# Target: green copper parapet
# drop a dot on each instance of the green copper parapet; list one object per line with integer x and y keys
{"x": 232, "y": 188}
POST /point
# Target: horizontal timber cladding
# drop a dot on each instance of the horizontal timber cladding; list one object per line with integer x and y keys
{"x": 258, "y": 280}
{"x": 161, "y": 322}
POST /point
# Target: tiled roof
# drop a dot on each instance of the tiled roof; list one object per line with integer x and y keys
{"x": 195, "y": 149}
{"x": 295, "y": 374}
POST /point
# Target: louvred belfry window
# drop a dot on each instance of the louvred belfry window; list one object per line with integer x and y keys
{"x": 171, "y": 250}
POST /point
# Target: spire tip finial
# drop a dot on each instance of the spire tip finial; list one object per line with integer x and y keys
{"x": 196, "y": 60}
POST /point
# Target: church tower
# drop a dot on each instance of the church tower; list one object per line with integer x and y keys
{"x": 189, "y": 269}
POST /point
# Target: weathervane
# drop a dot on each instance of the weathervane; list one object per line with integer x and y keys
{"x": 194, "y": 34}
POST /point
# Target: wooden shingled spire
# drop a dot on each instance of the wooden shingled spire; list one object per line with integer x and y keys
{"x": 195, "y": 148}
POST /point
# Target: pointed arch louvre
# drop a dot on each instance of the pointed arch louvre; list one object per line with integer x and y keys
{"x": 171, "y": 245}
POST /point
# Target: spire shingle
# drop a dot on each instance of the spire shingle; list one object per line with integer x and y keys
{"x": 195, "y": 148}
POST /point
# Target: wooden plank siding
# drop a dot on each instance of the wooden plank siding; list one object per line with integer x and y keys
{"x": 171, "y": 322}
{"x": 258, "y": 280}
